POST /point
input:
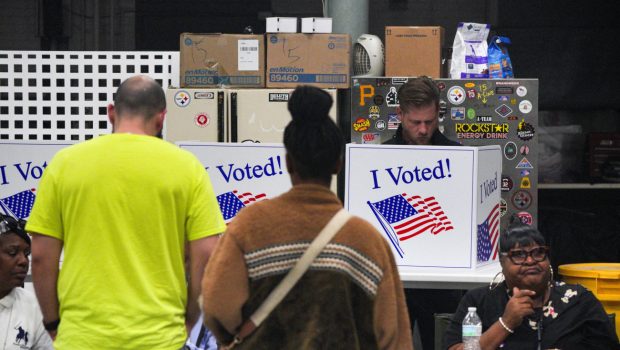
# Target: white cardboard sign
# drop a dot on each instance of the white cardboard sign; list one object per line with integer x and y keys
{"x": 437, "y": 206}
{"x": 242, "y": 173}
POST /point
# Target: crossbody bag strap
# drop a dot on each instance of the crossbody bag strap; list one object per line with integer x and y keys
{"x": 291, "y": 278}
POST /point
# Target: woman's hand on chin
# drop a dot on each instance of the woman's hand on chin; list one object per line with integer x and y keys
{"x": 521, "y": 304}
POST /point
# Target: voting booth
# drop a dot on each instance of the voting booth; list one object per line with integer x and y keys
{"x": 242, "y": 173}
{"x": 438, "y": 207}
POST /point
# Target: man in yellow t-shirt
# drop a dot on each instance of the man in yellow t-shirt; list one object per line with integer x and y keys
{"x": 122, "y": 206}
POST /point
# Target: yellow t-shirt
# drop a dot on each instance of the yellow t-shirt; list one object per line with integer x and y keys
{"x": 123, "y": 205}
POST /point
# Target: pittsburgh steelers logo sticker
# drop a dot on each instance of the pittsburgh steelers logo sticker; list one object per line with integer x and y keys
{"x": 522, "y": 199}
{"x": 456, "y": 95}
{"x": 202, "y": 119}
{"x": 182, "y": 98}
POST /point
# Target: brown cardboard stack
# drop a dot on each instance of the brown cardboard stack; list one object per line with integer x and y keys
{"x": 321, "y": 60}
{"x": 222, "y": 60}
{"x": 413, "y": 51}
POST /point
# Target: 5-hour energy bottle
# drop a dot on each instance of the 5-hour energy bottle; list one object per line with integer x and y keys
{"x": 472, "y": 329}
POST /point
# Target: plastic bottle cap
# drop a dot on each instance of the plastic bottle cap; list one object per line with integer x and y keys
{"x": 471, "y": 308}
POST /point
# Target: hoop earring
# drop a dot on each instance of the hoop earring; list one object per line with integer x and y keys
{"x": 551, "y": 276}
{"x": 499, "y": 280}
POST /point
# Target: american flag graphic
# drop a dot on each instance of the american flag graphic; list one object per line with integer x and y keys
{"x": 403, "y": 217}
{"x": 488, "y": 234}
{"x": 231, "y": 202}
{"x": 19, "y": 204}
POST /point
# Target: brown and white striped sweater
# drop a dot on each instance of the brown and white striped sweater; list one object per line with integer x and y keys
{"x": 350, "y": 298}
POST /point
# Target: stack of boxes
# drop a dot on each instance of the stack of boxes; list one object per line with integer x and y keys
{"x": 281, "y": 58}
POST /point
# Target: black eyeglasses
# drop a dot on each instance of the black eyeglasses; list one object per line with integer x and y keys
{"x": 519, "y": 256}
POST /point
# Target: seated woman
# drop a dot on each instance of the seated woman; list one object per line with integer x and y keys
{"x": 351, "y": 297}
{"x": 529, "y": 310}
{"x": 21, "y": 321}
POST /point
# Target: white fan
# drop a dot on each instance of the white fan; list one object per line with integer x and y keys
{"x": 368, "y": 56}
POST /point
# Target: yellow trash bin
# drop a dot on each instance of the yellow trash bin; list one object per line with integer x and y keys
{"x": 603, "y": 279}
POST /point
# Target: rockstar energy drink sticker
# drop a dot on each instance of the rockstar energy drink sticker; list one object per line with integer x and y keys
{"x": 525, "y": 131}
{"x": 522, "y": 199}
{"x": 487, "y": 131}
{"x": 374, "y": 112}
{"x": 361, "y": 124}
{"x": 525, "y": 183}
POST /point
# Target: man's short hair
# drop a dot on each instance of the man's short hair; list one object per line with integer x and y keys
{"x": 418, "y": 92}
{"x": 139, "y": 97}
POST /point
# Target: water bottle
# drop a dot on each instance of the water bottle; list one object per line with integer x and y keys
{"x": 472, "y": 329}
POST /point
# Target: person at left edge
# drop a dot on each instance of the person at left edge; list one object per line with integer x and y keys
{"x": 123, "y": 206}
{"x": 21, "y": 323}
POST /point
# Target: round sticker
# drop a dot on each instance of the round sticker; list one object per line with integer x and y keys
{"x": 503, "y": 207}
{"x": 521, "y": 91}
{"x": 510, "y": 150}
{"x": 456, "y": 95}
{"x": 380, "y": 125}
{"x": 525, "y": 106}
{"x": 522, "y": 199}
{"x": 471, "y": 113}
{"x": 182, "y": 98}
{"x": 378, "y": 100}
{"x": 525, "y": 217}
{"x": 202, "y": 120}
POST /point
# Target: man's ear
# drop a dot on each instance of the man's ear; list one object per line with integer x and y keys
{"x": 111, "y": 114}
{"x": 399, "y": 112}
{"x": 160, "y": 120}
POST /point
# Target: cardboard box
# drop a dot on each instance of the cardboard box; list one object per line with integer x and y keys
{"x": 413, "y": 51}
{"x": 281, "y": 25}
{"x": 321, "y": 60}
{"x": 316, "y": 25}
{"x": 222, "y": 60}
